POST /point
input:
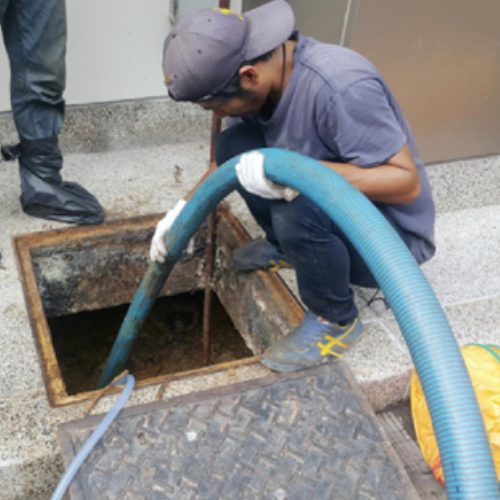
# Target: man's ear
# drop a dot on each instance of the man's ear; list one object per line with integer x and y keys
{"x": 250, "y": 77}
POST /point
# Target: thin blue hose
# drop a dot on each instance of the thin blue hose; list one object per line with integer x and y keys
{"x": 99, "y": 431}
{"x": 457, "y": 421}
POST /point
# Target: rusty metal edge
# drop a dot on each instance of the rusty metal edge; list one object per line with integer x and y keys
{"x": 56, "y": 389}
{"x": 211, "y": 242}
{"x": 23, "y": 245}
{"x": 208, "y": 292}
{"x": 40, "y": 239}
{"x": 51, "y": 373}
{"x": 161, "y": 380}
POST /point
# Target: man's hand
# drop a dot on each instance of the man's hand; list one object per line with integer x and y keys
{"x": 158, "y": 251}
{"x": 250, "y": 173}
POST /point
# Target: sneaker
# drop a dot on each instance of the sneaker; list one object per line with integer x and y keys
{"x": 314, "y": 342}
{"x": 259, "y": 254}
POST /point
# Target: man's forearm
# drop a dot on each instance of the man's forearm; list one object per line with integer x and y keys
{"x": 395, "y": 182}
{"x": 384, "y": 184}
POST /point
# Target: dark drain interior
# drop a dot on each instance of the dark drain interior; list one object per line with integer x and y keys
{"x": 169, "y": 342}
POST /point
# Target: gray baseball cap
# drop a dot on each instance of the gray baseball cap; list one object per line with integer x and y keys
{"x": 204, "y": 51}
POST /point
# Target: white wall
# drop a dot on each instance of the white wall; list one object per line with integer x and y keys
{"x": 114, "y": 51}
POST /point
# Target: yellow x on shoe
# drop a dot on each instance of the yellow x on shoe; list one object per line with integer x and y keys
{"x": 314, "y": 342}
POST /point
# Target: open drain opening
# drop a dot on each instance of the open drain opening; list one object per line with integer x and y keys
{"x": 79, "y": 281}
{"x": 169, "y": 342}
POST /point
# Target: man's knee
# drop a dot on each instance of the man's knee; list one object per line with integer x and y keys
{"x": 301, "y": 220}
{"x": 236, "y": 140}
{"x": 291, "y": 220}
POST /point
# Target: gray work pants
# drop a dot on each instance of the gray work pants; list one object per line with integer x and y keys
{"x": 34, "y": 32}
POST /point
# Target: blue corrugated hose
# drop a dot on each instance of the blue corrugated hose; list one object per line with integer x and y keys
{"x": 465, "y": 453}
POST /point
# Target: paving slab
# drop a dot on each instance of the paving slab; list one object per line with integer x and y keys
{"x": 305, "y": 435}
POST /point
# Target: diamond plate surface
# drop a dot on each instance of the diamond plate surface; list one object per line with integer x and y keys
{"x": 309, "y": 435}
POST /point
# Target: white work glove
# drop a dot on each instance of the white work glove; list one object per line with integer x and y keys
{"x": 158, "y": 251}
{"x": 250, "y": 173}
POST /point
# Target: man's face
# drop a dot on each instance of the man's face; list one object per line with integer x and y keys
{"x": 235, "y": 106}
{"x": 255, "y": 85}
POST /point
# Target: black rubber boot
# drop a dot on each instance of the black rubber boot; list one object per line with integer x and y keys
{"x": 43, "y": 192}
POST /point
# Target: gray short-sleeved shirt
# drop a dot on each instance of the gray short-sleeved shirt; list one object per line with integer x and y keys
{"x": 337, "y": 107}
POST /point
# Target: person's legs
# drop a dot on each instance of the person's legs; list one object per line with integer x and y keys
{"x": 237, "y": 140}
{"x": 35, "y": 38}
{"x": 317, "y": 249}
{"x": 324, "y": 263}
{"x": 34, "y": 33}
{"x": 321, "y": 256}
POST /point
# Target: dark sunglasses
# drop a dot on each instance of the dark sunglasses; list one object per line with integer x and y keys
{"x": 227, "y": 91}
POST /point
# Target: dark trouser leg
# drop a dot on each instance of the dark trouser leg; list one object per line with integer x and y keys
{"x": 237, "y": 140}
{"x": 325, "y": 262}
{"x": 34, "y": 32}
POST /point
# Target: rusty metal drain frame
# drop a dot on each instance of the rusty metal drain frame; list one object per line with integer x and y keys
{"x": 289, "y": 310}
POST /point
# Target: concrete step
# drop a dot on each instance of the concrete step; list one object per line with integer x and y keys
{"x": 115, "y": 126}
{"x": 156, "y": 122}
{"x": 464, "y": 273}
